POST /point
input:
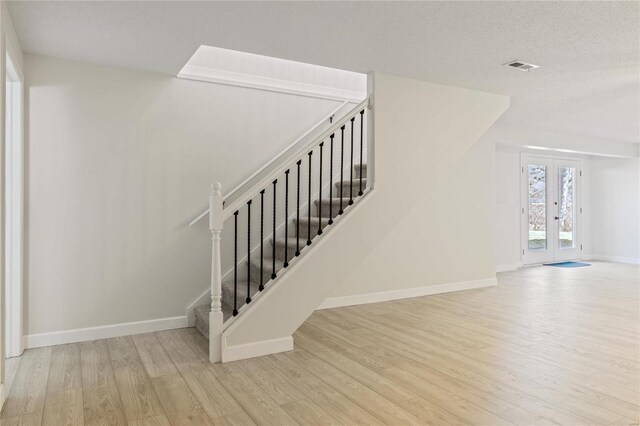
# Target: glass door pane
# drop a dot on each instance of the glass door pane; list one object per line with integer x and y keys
{"x": 537, "y": 207}
{"x": 566, "y": 207}
{"x": 550, "y": 221}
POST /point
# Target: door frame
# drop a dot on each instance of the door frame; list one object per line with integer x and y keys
{"x": 14, "y": 209}
{"x": 551, "y": 254}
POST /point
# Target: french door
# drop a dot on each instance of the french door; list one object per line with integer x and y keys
{"x": 551, "y": 209}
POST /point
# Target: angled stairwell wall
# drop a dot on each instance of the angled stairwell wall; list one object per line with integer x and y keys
{"x": 428, "y": 221}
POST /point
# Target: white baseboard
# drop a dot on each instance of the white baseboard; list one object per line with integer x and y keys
{"x": 104, "y": 332}
{"x": 251, "y": 350}
{"x": 617, "y": 259}
{"x": 385, "y": 296}
{"x": 507, "y": 268}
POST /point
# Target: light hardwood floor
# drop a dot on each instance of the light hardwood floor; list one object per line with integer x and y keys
{"x": 545, "y": 346}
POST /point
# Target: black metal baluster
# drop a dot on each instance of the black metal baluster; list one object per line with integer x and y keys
{"x": 361, "y": 145}
{"x": 298, "y": 210}
{"x": 331, "y": 181}
{"x": 309, "y": 204}
{"x": 248, "y": 299}
{"x": 286, "y": 219}
{"x": 341, "y": 165}
{"x": 261, "y": 240}
{"x": 320, "y": 192}
{"x": 235, "y": 264}
{"x": 351, "y": 169}
{"x": 273, "y": 237}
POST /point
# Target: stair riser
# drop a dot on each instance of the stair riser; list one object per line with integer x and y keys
{"x": 266, "y": 275}
{"x": 202, "y": 316}
{"x": 314, "y": 227}
{"x": 346, "y": 188}
{"x": 356, "y": 171}
{"x": 304, "y": 231}
{"x": 227, "y": 294}
{"x": 202, "y": 324}
{"x": 323, "y": 207}
{"x": 291, "y": 250}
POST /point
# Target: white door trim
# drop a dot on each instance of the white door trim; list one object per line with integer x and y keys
{"x": 14, "y": 214}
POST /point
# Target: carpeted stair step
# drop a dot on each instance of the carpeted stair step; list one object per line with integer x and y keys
{"x": 267, "y": 268}
{"x": 202, "y": 319}
{"x": 227, "y": 292}
{"x": 304, "y": 227}
{"x": 202, "y": 312}
{"x": 291, "y": 246}
{"x": 356, "y": 170}
{"x": 346, "y": 187}
{"x": 322, "y": 206}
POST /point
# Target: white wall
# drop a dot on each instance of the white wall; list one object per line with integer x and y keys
{"x": 119, "y": 162}
{"x": 616, "y": 209}
{"x": 507, "y": 210}
{"x": 428, "y": 221}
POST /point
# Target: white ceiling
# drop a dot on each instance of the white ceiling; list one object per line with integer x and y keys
{"x": 589, "y": 52}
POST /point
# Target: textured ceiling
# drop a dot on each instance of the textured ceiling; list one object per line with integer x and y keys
{"x": 589, "y": 52}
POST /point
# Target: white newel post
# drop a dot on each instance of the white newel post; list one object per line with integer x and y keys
{"x": 215, "y": 316}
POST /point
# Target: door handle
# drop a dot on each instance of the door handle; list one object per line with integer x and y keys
{"x": 556, "y": 217}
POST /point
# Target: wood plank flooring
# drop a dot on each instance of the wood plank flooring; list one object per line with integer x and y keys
{"x": 545, "y": 346}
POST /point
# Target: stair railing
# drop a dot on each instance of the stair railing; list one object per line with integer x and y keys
{"x": 275, "y": 159}
{"x": 219, "y": 211}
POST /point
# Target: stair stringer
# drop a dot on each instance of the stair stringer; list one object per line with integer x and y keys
{"x": 267, "y": 325}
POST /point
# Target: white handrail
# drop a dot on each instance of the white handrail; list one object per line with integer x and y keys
{"x": 276, "y": 158}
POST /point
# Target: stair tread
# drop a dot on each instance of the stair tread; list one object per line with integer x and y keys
{"x": 356, "y": 181}
{"x": 334, "y": 199}
{"x": 313, "y": 219}
{"x": 240, "y": 282}
{"x": 268, "y": 260}
{"x": 291, "y": 241}
{"x": 227, "y": 293}
{"x": 315, "y": 223}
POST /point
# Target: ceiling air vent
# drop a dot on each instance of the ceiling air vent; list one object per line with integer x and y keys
{"x": 521, "y": 65}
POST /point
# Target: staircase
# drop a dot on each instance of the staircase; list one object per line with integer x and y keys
{"x": 272, "y": 220}
{"x": 286, "y": 249}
